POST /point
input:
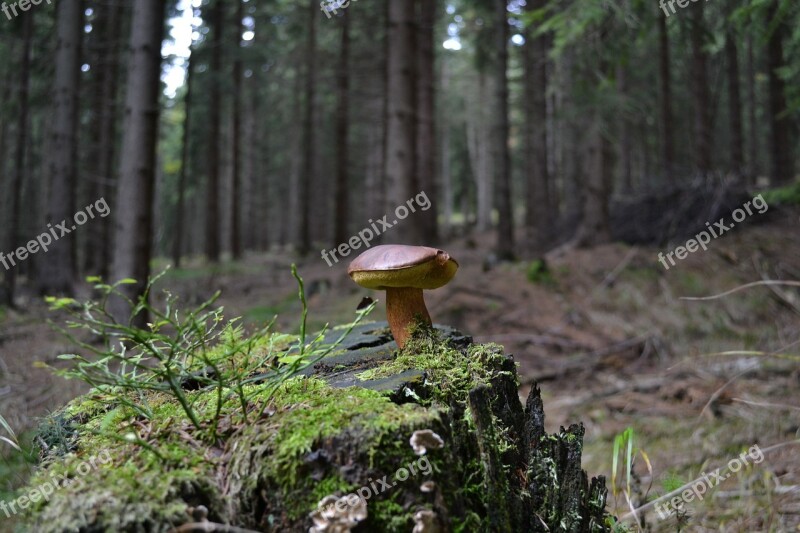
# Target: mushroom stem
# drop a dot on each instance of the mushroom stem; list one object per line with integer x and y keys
{"x": 403, "y": 306}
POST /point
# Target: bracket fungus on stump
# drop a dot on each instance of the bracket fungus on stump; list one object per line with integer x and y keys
{"x": 403, "y": 272}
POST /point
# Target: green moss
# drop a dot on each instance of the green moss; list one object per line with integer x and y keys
{"x": 788, "y": 195}
{"x": 451, "y": 372}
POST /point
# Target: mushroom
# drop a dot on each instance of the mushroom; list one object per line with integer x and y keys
{"x": 403, "y": 272}
{"x": 424, "y": 439}
{"x": 329, "y": 518}
{"x": 425, "y": 521}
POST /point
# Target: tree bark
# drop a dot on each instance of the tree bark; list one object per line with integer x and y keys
{"x": 426, "y": 133}
{"x": 307, "y": 176}
{"x": 177, "y": 243}
{"x": 537, "y": 176}
{"x": 58, "y": 270}
{"x": 342, "y": 191}
{"x": 214, "y": 139}
{"x": 781, "y": 171}
{"x": 401, "y": 142}
{"x": 134, "y": 205}
{"x": 734, "y": 106}
{"x": 236, "y": 211}
{"x": 502, "y": 157}
{"x": 700, "y": 93}
{"x": 13, "y": 237}
{"x": 665, "y": 95}
{"x": 752, "y": 125}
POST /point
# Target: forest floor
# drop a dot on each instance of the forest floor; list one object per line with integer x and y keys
{"x": 604, "y": 332}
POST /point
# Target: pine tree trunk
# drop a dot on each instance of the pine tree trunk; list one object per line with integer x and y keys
{"x": 700, "y": 93}
{"x": 537, "y": 213}
{"x": 401, "y": 141}
{"x": 734, "y": 106}
{"x": 500, "y": 137}
{"x": 426, "y": 134}
{"x": 216, "y": 22}
{"x": 666, "y": 123}
{"x": 307, "y": 177}
{"x": 752, "y": 107}
{"x": 137, "y": 174}
{"x": 13, "y": 237}
{"x": 177, "y": 243}
{"x": 58, "y": 269}
{"x": 341, "y": 195}
{"x": 780, "y": 136}
{"x": 236, "y": 211}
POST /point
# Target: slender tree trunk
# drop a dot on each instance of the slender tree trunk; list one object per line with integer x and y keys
{"x": 426, "y": 133}
{"x": 177, "y": 243}
{"x": 537, "y": 179}
{"x": 734, "y": 106}
{"x": 105, "y": 58}
{"x": 447, "y": 178}
{"x": 307, "y": 177}
{"x": 58, "y": 270}
{"x": 780, "y": 136}
{"x": 625, "y": 144}
{"x": 14, "y": 239}
{"x": 214, "y": 137}
{"x": 502, "y": 158}
{"x": 341, "y": 195}
{"x": 594, "y": 228}
{"x": 665, "y": 84}
{"x": 134, "y": 205}
{"x": 477, "y": 146}
{"x": 752, "y": 137}
{"x": 401, "y": 144}
{"x": 236, "y": 193}
{"x": 700, "y": 93}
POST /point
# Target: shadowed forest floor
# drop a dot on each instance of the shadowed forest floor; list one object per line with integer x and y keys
{"x": 602, "y": 330}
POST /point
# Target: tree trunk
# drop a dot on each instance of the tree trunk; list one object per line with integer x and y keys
{"x": 342, "y": 191}
{"x": 236, "y": 211}
{"x": 666, "y": 124}
{"x": 500, "y": 137}
{"x": 537, "y": 178}
{"x": 14, "y": 238}
{"x": 137, "y": 174}
{"x": 477, "y": 147}
{"x": 625, "y": 144}
{"x": 426, "y": 133}
{"x": 307, "y": 177}
{"x": 214, "y": 139}
{"x": 488, "y": 460}
{"x": 734, "y": 106}
{"x": 780, "y": 148}
{"x": 177, "y": 243}
{"x": 752, "y": 137}
{"x": 594, "y": 228}
{"x": 401, "y": 142}
{"x": 447, "y": 178}
{"x": 58, "y": 270}
{"x": 700, "y": 93}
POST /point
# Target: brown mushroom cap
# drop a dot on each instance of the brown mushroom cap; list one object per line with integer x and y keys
{"x": 398, "y": 265}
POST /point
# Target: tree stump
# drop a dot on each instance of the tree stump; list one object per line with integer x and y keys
{"x": 343, "y": 428}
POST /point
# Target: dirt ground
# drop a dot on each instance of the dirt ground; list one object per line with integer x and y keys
{"x": 605, "y": 333}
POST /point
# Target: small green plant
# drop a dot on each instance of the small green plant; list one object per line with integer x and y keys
{"x": 12, "y": 439}
{"x": 183, "y": 351}
{"x": 625, "y": 450}
{"x": 538, "y": 272}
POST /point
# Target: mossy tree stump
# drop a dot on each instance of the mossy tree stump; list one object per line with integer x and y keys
{"x": 339, "y": 428}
